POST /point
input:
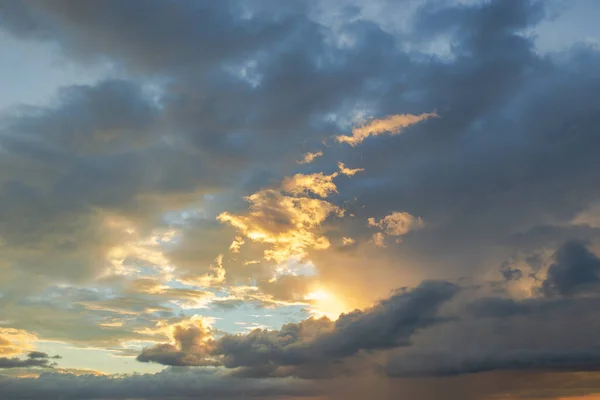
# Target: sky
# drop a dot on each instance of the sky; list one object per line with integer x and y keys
{"x": 320, "y": 200}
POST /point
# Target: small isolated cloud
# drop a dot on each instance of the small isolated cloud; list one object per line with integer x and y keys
{"x": 393, "y": 124}
{"x": 379, "y": 239}
{"x": 237, "y": 243}
{"x": 310, "y": 157}
{"x": 397, "y": 223}
{"x": 348, "y": 241}
{"x": 348, "y": 171}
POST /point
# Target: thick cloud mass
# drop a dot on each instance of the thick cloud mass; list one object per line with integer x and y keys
{"x": 167, "y": 384}
{"x": 389, "y": 324}
{"x": 244, "y": 174}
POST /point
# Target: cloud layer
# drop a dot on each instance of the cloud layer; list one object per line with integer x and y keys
{"x": 422, "y": 173}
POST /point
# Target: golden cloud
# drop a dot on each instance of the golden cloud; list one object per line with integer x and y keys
{"x": 15, "y": 341}
{"x": 394, "y": 124}
{"x": 236, "y": 244}
{"x": 348, "y": 171}
{"x": 320, "y": 184}
{"x": 215, "y": 276}
{"x": 310, "y": 157}
{"x": 288, "y": 224}
{"x": 397, "y": 223}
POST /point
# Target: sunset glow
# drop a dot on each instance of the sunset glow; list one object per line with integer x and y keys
{"x": 300, "y": 199}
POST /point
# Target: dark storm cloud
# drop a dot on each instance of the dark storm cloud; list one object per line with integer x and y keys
{"x": 33, "y": 359}
{"x": 575, "y": 269}
{"x": 153, "y": 35}
{"x": 440, "y": 366}
{"x": 303, "y": 77}
{"x": 389, "y": 324}
{"x": 551, "y": 332}
{"x": 515, "y": 127}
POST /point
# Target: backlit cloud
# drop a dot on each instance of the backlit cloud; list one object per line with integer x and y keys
{"x": 397, "y": 223}
{"x": 286, "y": 199}
{"x": 392, "y": 125}
{"x": 310, "y": 157}
{"x": 289, "y": 225}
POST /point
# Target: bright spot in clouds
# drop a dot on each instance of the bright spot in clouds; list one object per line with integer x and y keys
{"x": 325, "y": 303}
{"x": 393, "y": 124}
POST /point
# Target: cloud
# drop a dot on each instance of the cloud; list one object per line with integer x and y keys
{"x": 347, "y": 241}
{"x": 293, "y": 288}
{"x": 550, "y": 331}
{"x": 392, "y": 124}
{"x": 192, "y": 344}
{"x": 210, "y": 101}
{"x": 310, "y": 157}
{"x": 379, "y": 239}
{"x": 522, "y": 360}
{"x": 186, "y": 384}
{"x": 215, "y": 276}
{"x": 15, "y": 341}
{"x": 288, "y": 224}
{"x": 395, "y": 224}
{"x": 575, "y": 269}
{"x": 389, "y": 324}
{"x": 237, "y": 243}
{"x": 34, "y": 359}
{"x": 348, "y": 171}
{"x": 320, "y": 184}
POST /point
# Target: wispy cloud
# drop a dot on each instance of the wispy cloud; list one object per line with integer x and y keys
{"x": 392, "y": 125}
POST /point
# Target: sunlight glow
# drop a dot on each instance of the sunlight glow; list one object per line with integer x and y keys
{"x": 324, "y": 303}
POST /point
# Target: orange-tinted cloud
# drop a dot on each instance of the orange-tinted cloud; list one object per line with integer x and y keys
{"x": 397, "y": 223}
{"x": 348, "y": 171}
{"x": 15, "y": 341}
{"x": 320, "y": 184}
{"x": 393, "y": 124}
{"x": 288, "y": 224}
{"x": 310, "y": 157}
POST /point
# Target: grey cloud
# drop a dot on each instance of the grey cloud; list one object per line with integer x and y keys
{"x": 163, "y": 38}
{"x": 543, "y": 333}
{"x": 389, "y": 324}
{"x": 171, "y": 383}
{"x": 97, "y": 150}
{"x": 513, "y": 156}
{"x": 466, "y": 169}
{"x": 33, "y": 359}
{"x": 575, "y": 269}
{"x": 499, "y": 307}
{"x": 76, "y": 315}
{"x": 522, "y": 360}
{"x": 191, "y": 348}
{"x": 514, "y": 127}
{"x": 167, "y": 354}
